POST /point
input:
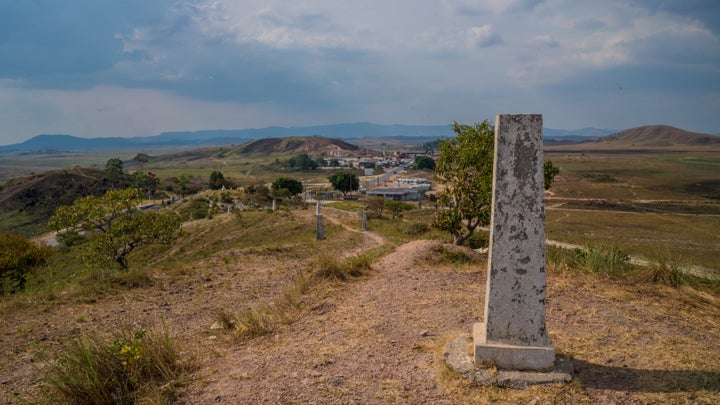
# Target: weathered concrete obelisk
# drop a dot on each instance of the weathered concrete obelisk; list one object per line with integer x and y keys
{"x": 513, "y": 335}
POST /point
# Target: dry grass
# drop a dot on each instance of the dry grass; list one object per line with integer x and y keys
{"x": 694, "y": 238}
{"x": 631, "y": 341}
{"x": 264, "y": 318}
{"x": 143, "y": 365}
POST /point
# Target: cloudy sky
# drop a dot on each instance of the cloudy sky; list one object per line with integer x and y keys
{"x": 97, "y": 68}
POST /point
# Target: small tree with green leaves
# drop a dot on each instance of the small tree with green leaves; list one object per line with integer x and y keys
{"x": 397, "y": 207}
{"x": 302, "y": 162}
{"x": 466, "y": 167}
{"x": 344, "y": 181}
{"x": 424, "y": 162}
{"x": 217, "y": 180}
{"x": 114, "y": 171}
{"x": 180, "y": 185}
{"x": 114, "y": 225}
{"x": 293, "y": 186}
{"x": 376, "y": 205}
{"x": 144, "y": 182}
{"x": 142, "y": 158}
{"x": 549, "y": 173}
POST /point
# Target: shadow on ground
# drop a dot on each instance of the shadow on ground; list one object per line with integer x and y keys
{"x": 623, "y": 378}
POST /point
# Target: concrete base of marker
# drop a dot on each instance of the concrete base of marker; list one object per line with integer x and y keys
{"x": 458, "y": 356}
{"x": 510, "y": 357}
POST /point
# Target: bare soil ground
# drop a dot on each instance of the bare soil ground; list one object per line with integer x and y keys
{"x": 379, "y": 339}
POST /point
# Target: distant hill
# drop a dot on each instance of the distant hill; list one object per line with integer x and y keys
{"x": 27, "y": 203}
{"x": 661, "y": 136}
{"x": 312, "y": 145}
{"x": 649, "y": 137}
{"x": 65, "y": 143}
{"x": 402, "y": 134}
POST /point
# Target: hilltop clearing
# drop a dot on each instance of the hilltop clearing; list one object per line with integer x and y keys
{"x": 376, "y": 338}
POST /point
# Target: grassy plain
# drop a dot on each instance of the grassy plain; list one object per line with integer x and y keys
{"x": 638, "y": 176}
{"x": 651, "y": 205}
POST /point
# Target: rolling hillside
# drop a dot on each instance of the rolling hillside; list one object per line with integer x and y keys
{"x": 311, "y": 145}
{"x": 27, "y": 203}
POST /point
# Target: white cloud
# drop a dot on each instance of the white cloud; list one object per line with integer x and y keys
{"x": 285, "y": 62}
{"x": 483, "y": 36}
{"x": 545, "y": 41}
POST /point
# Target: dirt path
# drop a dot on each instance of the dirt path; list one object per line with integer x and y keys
{"x": 376, "y": 343}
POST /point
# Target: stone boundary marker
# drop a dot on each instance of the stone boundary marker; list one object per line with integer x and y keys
{"x": 513, "y": 336}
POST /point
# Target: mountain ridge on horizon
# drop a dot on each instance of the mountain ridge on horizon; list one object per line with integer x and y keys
{"x": 217, "y": 137}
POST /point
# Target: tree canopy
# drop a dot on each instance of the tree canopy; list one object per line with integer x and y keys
{"x": 397, "y": 207}
{"x": 114, "y": 225}
{"x": 302, "y": 162}
{"x": 344, "y": 181}
{"x": 217, "y": 180}
{"x": 114, "y": 171}
{"x": 144, "y": 182}
{"x": 466, "y": 167}
{"x": 293, "y": 186}
{"x": 424, "y": 162}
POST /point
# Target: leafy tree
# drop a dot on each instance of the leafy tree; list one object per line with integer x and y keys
{"x": 376, "y": 205}
{"x": 424, "y": 162}
{"x": 114, "y": 226}
{"x": 142, "y": 158}
{"x": 320, "y": 161}
{"x": 144, "y": 182}
{"x": 549, "y": 173}
{"x": 181, "y": 185}
{"x": 465, "y": 166}
{"x": 293, "y": 186}
{"x": 114, "y": 170}
{"x": 302, "y": 162}
{"x": 334, "y": 163}
{"x": 17, "y": 257}
{"x": 217, "y": 180}
{"x": 344, "y": 181}
{"x": 397, "y": 207}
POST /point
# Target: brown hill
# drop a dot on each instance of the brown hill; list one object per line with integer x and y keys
{"x": 649, "y": 137}
{"x": 312, "y": 145}
{"x": 662, "y": 136}
{"x": 26, "y": 203}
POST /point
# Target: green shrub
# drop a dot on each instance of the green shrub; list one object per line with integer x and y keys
{"x": 18, "y": 256}
{"x": 478, "y": 240}
{"x": 417, "y": 228}
{"x": 608, "y": 261}
{"x": 453, "y": 256}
